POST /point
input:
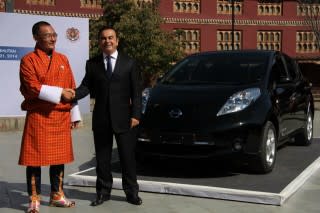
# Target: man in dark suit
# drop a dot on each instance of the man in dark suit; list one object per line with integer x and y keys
{"x": 115, "y": 83}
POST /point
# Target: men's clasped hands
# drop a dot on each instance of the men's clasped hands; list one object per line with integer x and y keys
{"x": 68, "y": 94}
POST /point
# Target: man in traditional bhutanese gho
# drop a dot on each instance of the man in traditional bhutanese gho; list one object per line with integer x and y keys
{"x": 47, "y": 85}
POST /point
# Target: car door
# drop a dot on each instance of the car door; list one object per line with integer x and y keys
{"x": 298, "y": 97}
{"x": 284, "y": 93}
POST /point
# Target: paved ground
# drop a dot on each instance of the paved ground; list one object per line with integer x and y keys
{"x": 13, "y": 196}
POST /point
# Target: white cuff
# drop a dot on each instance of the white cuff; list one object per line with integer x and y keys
{"x": 75, "y": 113}
{"x": 50, "y": 93}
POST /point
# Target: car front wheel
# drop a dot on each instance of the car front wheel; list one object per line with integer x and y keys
{"x": 265, "y": 159}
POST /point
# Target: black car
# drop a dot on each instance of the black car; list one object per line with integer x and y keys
{"x": 245, "y": 102}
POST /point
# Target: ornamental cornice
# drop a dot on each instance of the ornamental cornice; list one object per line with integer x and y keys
{"x": 237, "y": 22}
{"x": 55, "y": 13}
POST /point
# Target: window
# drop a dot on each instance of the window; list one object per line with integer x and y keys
{"x": 270, "y": 7}
{"x": 224, "y": 40}
{"x": 140, "y": 3}
{"x": 95, "y": 4}
{"x": 292, "y": 67}
{"x": 189, "y": 40}
{"x": 308, "y": 7}
{"x": 279, "y": 71}
{"x": 306, "y": 42}
{"x": 225, "y": 7}
{"x": 218, "y": 69}
{"x": 269, "y": 40}
{"x": 41, "y": 2}
{"x": 186, "y": 6}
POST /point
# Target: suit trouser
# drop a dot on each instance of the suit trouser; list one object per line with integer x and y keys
{"x": 56, "y": 173}
{"x": 126, "y": 144}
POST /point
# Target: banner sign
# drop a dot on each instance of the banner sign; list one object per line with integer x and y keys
{"x": 13, "y": 53}
{"x": 15, "y": 42}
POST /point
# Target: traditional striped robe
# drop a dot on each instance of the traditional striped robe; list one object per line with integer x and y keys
{"x": 47, "y": 133}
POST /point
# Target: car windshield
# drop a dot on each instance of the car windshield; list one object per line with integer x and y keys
{"x": 218, "y": 69}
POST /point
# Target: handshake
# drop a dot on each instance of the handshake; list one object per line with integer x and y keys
{"x": 68, "y": 94}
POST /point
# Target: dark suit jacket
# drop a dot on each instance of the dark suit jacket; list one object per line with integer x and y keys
{"x": 117, "y": 99}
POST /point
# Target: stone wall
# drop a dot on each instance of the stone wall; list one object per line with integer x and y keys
{"x": 11, "y": 123}
{"x": 17, "y": 123}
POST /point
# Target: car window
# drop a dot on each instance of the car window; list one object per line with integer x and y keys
{"x": 278, "y": 71}
{"x": 217, "y": 69}
{"x": 292, "y": 67}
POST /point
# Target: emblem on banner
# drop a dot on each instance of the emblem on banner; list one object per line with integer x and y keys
{"x": 73, "y": 34}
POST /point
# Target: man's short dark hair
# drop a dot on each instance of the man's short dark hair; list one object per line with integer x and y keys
{"x": 106, "y": 28}
{"x": 36, "y": 27}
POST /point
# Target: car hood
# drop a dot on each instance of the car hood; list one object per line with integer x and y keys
{"x": 170, "y": 107}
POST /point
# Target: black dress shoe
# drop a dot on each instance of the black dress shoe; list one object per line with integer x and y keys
{"x": 134, "y": 199}
{"x": 100, "y": 199}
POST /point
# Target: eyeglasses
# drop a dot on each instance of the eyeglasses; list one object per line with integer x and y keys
{"x": 49, "y": 35}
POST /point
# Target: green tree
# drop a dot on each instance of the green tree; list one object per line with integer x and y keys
{"x": 141, "y": 37}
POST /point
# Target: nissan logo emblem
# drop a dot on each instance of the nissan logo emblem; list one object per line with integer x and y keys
{"x": 175, "y": 113}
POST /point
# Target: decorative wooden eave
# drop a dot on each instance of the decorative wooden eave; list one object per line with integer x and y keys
{"x": 295, "y": 23}
{"x": 56, "y": 13}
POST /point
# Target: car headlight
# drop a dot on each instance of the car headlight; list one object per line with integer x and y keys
{"x": 240, "y": 101}
{"x": 145, "y": 97}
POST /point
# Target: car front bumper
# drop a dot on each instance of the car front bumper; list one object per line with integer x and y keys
{"x": 199, "y": 144}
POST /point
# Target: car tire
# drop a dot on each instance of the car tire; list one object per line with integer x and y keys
{"x": 266, "y": 158}
{"x": 304, "y": 137}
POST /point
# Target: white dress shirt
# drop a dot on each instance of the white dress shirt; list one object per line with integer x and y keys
{"x": 113, "y": 58}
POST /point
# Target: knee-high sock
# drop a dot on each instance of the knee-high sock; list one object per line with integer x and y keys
{"x": 56, "y": 177}
{"x": 33, "y": 180}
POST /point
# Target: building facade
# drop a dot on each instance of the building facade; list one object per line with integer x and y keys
{"x": 205, "y": 25}
{"x": 73, "y": 8}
